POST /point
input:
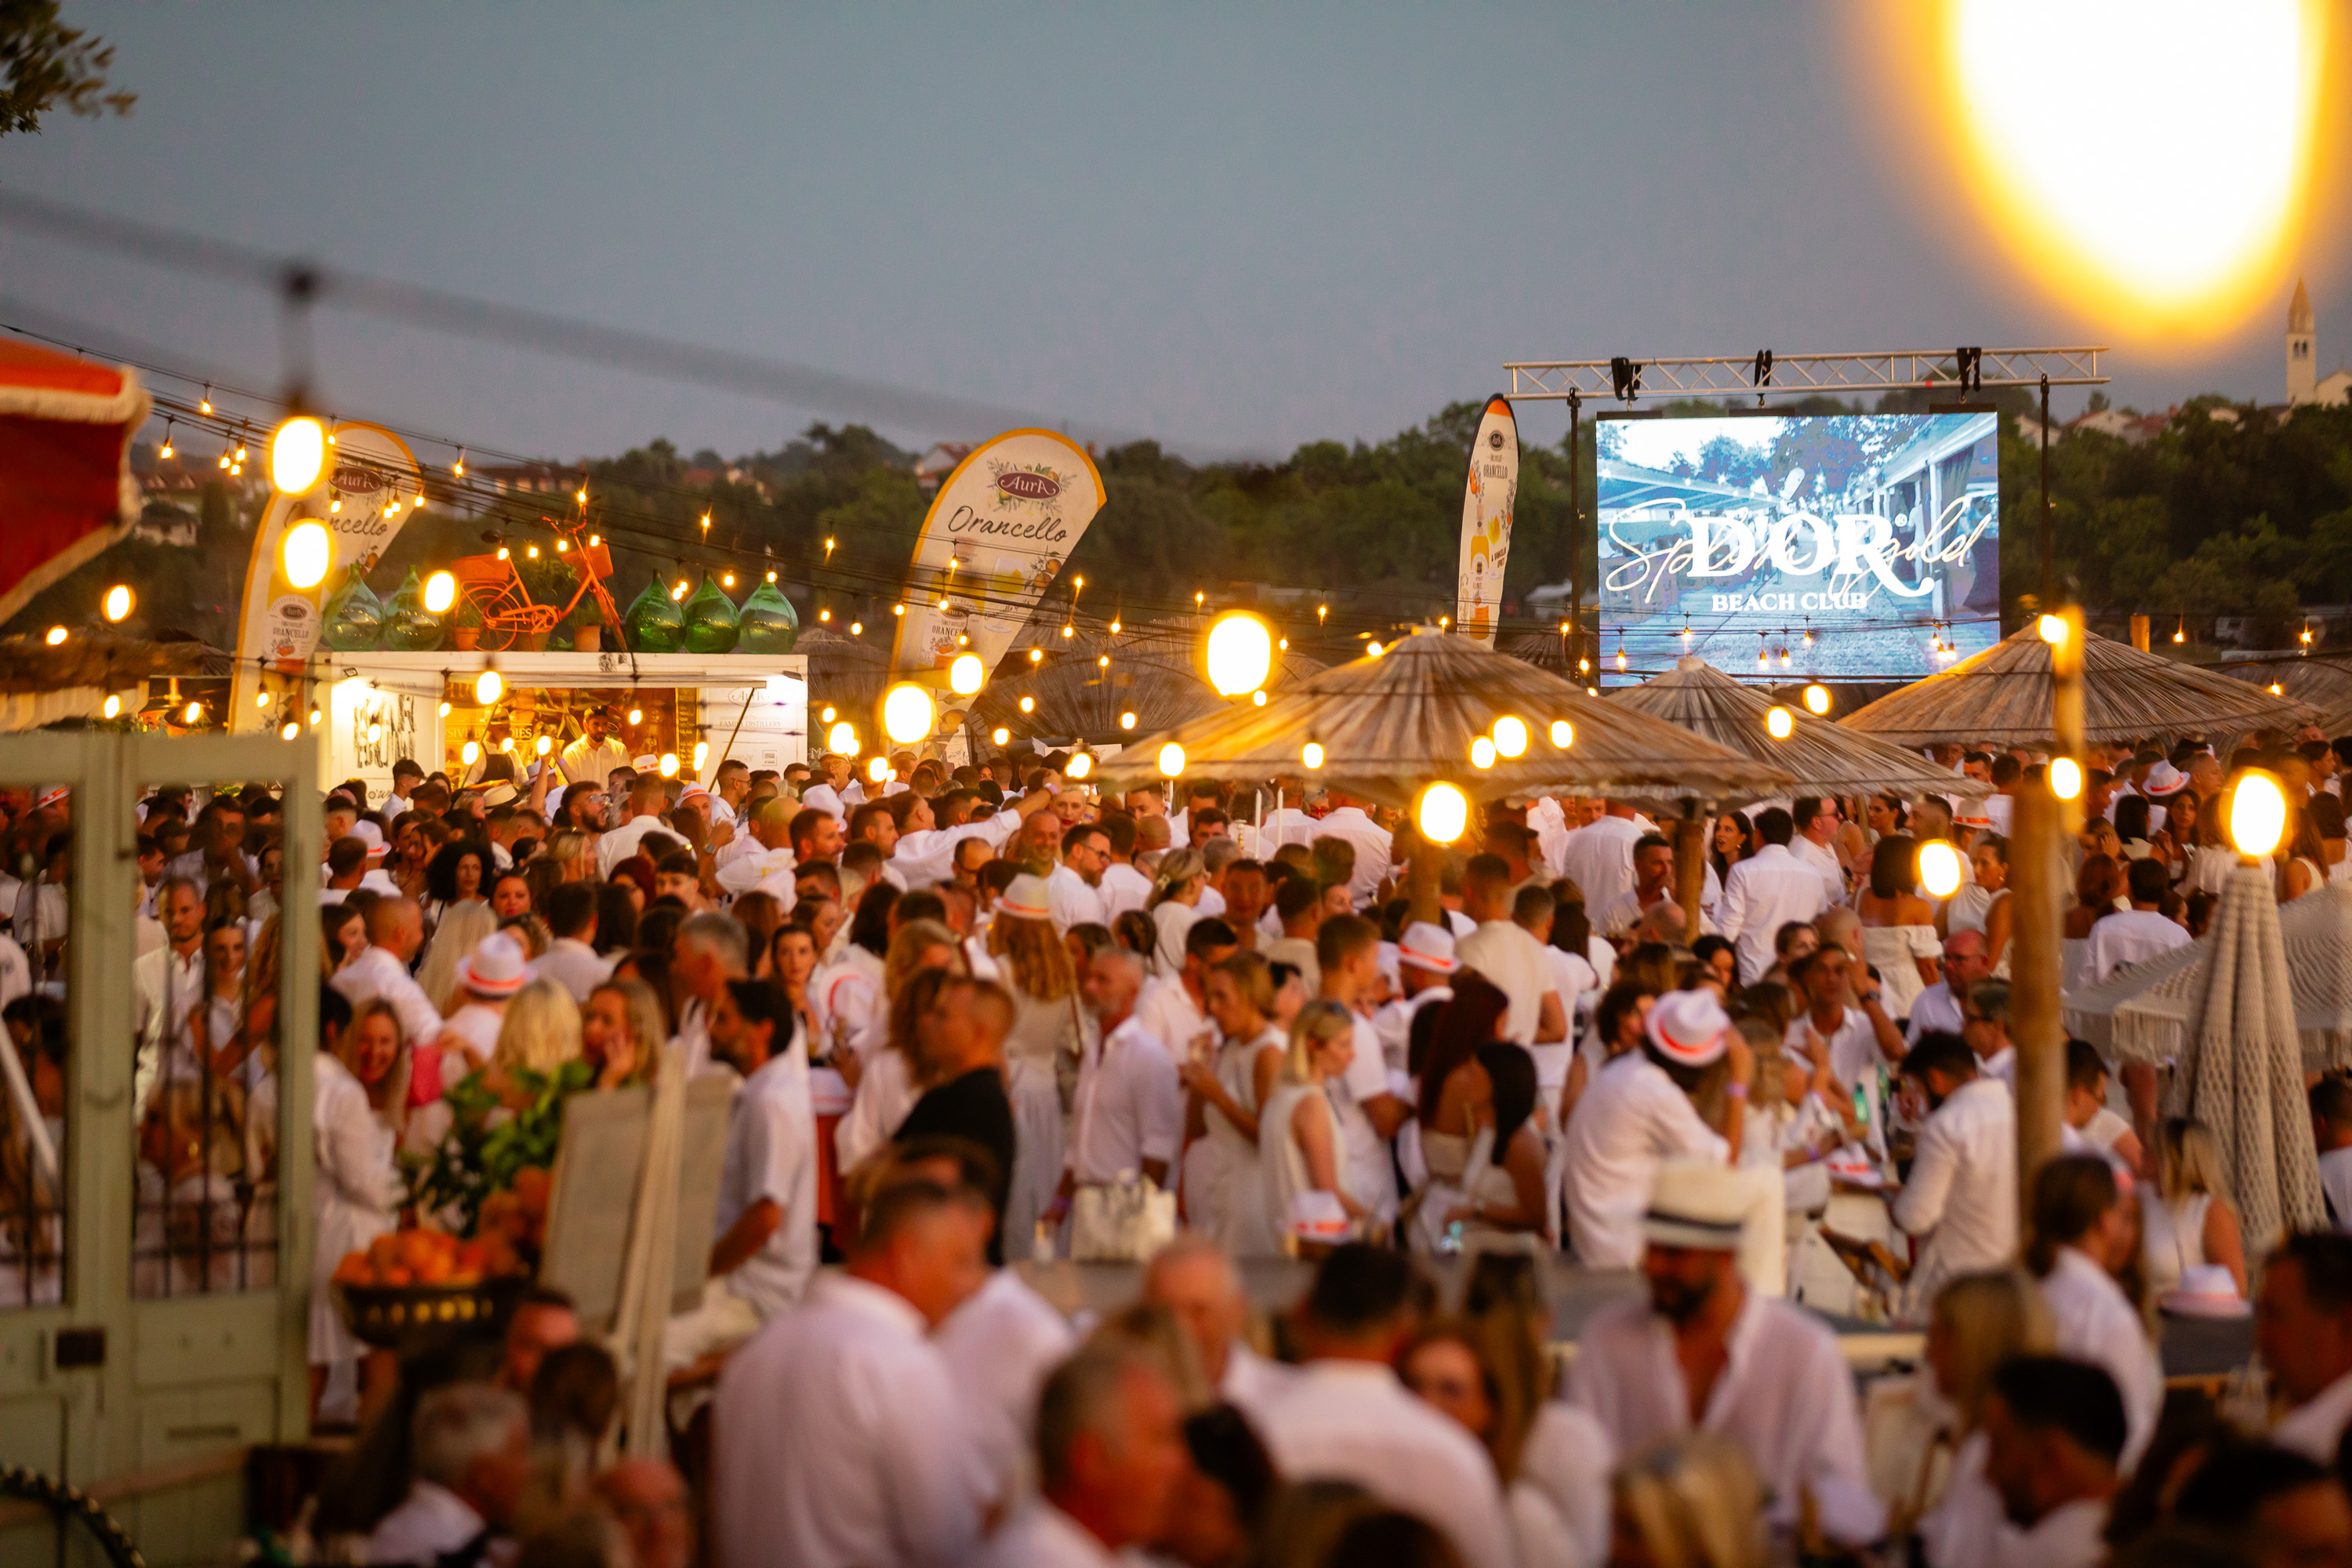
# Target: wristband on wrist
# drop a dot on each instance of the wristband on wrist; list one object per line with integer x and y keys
{"x": 1738, "y": 1091}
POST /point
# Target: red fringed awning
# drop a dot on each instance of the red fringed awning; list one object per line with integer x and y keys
{"x": 66, "y": 488}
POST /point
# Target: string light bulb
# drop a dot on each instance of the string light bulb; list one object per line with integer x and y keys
{"x": 56, "y": 635}
{"x": 966, "y": 674}
{"x": 857, "y": 629}
{"x": 2180, "y": 632}
{"x": 1028, "y": 703}
{"x": 636, "y": 717}
{"x": 315, "y": 717}
{"x": 286, "y": 732}
{"x": 824, "y": 717}
{"x": 825, "y": 614}
{"x": 667, "y": 766}
{"x": 114, "y": 707}
{"x": 1102, "y": 661}
{"x": 470, "y": 753}
{"x": 1779, "y": 723}
{"x": 1817, "y": 699}
{"x": 543, "y": 745}
{"x": 261, "y": 699}
{"x": 118, "y": 603}
{"x": 999, "y": 735}
{"x": 459, "y": 467}
{"x": 444, "y": 707}
{"x": 1511, "y": 736}
{"x": 1442, "y": 812}
{"x": 1126, "y": 720}
{"x": 440, "y": 592}
{"x": 488, "y": 687}
{"x": 196, "y": 712}
{"x": 1939, "y": 869}
{"x": 204, "y": 403}
{"x": 165, "y": 454}
{"x": 1311, "y": 756}
{"x": 374, "y": 730}
{"x": 1563, "y": 734}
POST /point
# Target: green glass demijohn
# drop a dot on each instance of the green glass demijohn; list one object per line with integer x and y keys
{"x": 709, "y": 619}
{"x": 408, "y": 625}
{"x": 353, "y": 619}
{"x": 652, "y": 622}
{"x": 770, "y": 624}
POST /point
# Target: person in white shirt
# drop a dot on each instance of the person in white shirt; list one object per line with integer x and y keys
{"x": 472, "y": 1458}
{"x": 1599, "y": 857}
{"x": 406, "y": 776}
{"x": 1816, "y": 824}
{"x": 1426, "y": 965}
{"x": 759, "y": 858}
{"x": 1111, "y": 1463}
{"x": 395, "y": 931}
{"x": 572, "y": 959}
{"x": 1633, "y": 1118}
{"x": 1345, "y": 1417}
{"x": 1938, "y": 1006}
{"x": 1984, "y": 1013}
{"x": 765, "y": 1225}
{"x": 1194, "y": 1277}
{"x": 2303, "y": 1328}
{"x": 1771, "y": 1378}
{"x": 1075, "y": 886}
{"x": 1174, "y": 1007}
{"x": 1764, "y": 892}
{"x": 2084, "y": 1228}
{"x": 2138, "y": 935}
{"x": 648, "y": 798}
{"x": 1503, "y": 951}
{"x": 1369, "y": 1107}
{"x": 591, "y": 759}
{"x": 2054, "y": 1435}
{"x": 1128, "y": 1114}
{"x": 1855, "y": 1037}
{"x": 1347, "y": 821}
{"x": 708, "y": 951}
{"x": 2331, "y": 1123}
{"x": 1654, "y": 880}
{"x": 838, "y": 1438}
{"x": 1960, "y": 1197}
{"x": 1123, "y": 887}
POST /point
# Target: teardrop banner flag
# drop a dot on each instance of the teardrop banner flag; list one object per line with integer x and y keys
{"x": 1003, "y": 524}
{"x": 1487, "y": 502}
{"x": 367, "y": 492}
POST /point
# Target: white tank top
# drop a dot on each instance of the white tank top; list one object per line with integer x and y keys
{"x": 2173, "y": 1236}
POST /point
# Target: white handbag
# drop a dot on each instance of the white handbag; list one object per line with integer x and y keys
{"x": 1127, "y": 1222}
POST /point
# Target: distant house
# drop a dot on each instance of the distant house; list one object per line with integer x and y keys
{"x": 527, "y": 479}
{"x": 937, "y": 463}
{"x": 163, "y": 523}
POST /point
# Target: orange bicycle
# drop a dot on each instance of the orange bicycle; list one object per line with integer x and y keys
{"x": 496, "y": 594}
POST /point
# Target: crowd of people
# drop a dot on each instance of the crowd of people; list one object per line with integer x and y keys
{"x": 975, "y": 1012}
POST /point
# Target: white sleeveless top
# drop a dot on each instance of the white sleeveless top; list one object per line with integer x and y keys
{"x": 1241, "y": 1212}
{"x": 2172, "y": 1236}
{"x": 1282, "y": 1164}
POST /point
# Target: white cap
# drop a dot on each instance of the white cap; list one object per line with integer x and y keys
{"x": 1429, "y": 947}
{"x": 1689, "y": 1028}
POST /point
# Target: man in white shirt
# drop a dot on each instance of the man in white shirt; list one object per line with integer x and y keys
{"x": 760, "y": 858}
{"x": 2331, "y": 1123}
{"x": 1128, "y": 1113}
{"x": 1599, "y": 857}
{"x": 1123, "y": 887}
{"x": 731, "y": 786}
{"x": 1345, "y": 1417}
{"x": 1503, "y": 951}
{"x": 572, "y": 959}
{"x": 2054, "y": 1433}
{"x": 406, "y": 776}
{"x": 170, "y": 981}
{"x": 1347, "y": 820}
{"x": 1192, "y": 1278}
{"x": 1960, "y": 1197}
{"x": 1348, "y": 964}
{"x": 591, "y": 759}
{"x": 395, "y": 931}
{"x": 472, "y": 1461}
{"x": 1771, "y": 1377}
{"x": 1426, "y": 965}
{"x": 2087, "y": 1227}
{"x": 2303, "y": 1327}
{"x": 1938, "y": 1006}
{"x": 1984, "y": 1012}
{"x": 765, "y": 1225}
{"x": 1075, "y": 886}
{"x": 1816, "y": 822}
{"x": 839, "y": 1440}
{"x": 648, "y": 798}
{"x": 1175, "y": 1009}
{"x": 1633, "y": 1118}
{"x": 1765, "y": 892}
{"x": 708, "y": 951}
{"x": 1111, "y": 1463}
{"x": 2138, "y": 935}
{"x": 1654, "y": 878}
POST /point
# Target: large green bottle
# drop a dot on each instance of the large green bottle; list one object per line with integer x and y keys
{"x": 770, "y": 624}
{"x": 352, "y": 618}
{"x": 408, "y": 625}
{"x": 709, "y": 619}
{"x": 652, "y": 622}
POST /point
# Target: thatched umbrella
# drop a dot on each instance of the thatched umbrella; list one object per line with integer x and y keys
{"x": 1823, "y": 758}
{"x": 847, "y": 673}
{"x": 2002, "y": 697}
{"x": 1545, "y": 650}
{"x": 2141, "y": 1013}
{"x": 1151, "y": 675}
{"x": 2324, "y": 682}
{"x": 1392, "y": 723}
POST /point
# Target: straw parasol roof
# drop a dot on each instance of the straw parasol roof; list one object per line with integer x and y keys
{"x": 1151, "y": 675}
{"x": 848, "y": 673}
{"x": 2002, "y": 697}
{"x": 2325, "y": 683}
{"x": 1544, "y": 650}
{"x": 1822, "y": 757}
{"x": 1389, "y": 723}
{"x": 104, "y": 661}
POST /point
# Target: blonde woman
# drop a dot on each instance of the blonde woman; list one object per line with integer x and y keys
{"x": 888, "y": 1080}
{"x": 622, "y": 1031}
{"x": 1930, "y": 1455}
{"x": 2185, "y": 1222}
{"x": 1691, "y": 1501}
{"x": 540, "y": 1030}
{"x": 1299, "y": 1147}
{"x": 461, "y": 930}
{"x": 360, "y": 1099}
{"x": 1173, "y": 905}
{"x": 1450, "y": 1366}
{"x": 1223, "y": 1188}
{"x": 574, "y": 852}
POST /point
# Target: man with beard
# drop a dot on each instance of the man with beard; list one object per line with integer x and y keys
{"x": 1748, "y": 1368}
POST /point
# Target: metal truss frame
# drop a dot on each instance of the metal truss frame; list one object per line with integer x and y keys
{"x": 1765, "y": 374}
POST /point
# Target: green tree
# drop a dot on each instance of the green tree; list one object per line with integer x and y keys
{"x": 46, "y": 65}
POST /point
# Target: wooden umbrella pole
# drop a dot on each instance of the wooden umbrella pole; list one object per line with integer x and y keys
{"x": 2036, "y": 1031}
{"x": 1690, "y": 867}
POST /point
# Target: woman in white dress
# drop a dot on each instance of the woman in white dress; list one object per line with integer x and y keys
{"x": 1448, "y": 1367}
{"x": 1173, "y": 905}
{"x": 1299, "y": 1148}
{"x": 1034, "y": 964}
{"x": 2185, "y": 1222}
{"x": 1898, "y": 927}
{"x": 2306, "y": 870}
{"x": 359, "y": 1098}
{"x": 890, "y": 1076}
{"x": 1223, "y": 1190}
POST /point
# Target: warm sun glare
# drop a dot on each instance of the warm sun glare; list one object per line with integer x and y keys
{"x": 2151, "y": 160}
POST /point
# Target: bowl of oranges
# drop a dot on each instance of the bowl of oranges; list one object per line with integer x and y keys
{"x": 415, "y": 1289}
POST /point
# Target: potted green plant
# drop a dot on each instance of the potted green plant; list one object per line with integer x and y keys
{"x": 587, "y": 629}
{"x": 466, "y": 624}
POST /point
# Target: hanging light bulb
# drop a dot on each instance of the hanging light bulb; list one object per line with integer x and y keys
{"x": 1817, "y": 698}
{"x": 966, "y": 674}
{"x": 118, "y": 602}
{"x": 1779, "y": 723}
{"x": 1809, "y": 634}
{"x": 204, "y": 403}
{"x": 487, "y": 686}
{"x": 374, "y": 732}
{"x": 543, "y": 745}
{"x": 196, "y": 712}
{"x": 459, "y": 467}
{"x": 702, "y": 753}
{"x": 1481, "y": 752}
{"x": 2180, "y": 632}
{"x": 57, "y": 635}
{"x": 1036, "y": 655}
{"x": 507, "y": 744}
{"x": 668, "y": 765}
{"x": 1102, "y": 661}
{"x": 1171, "y": 761}
{"x": 165, "y": 454}
{"x": 1081, "y": 763}
{"x": 857, "y": 629}
{"x": 530, "y": 552}
{"x": 315, "y": 717}
{"x": 636, "y": 717}
{"x": 261, "y": 699}
{"x": 1784, "y": 659}
{"x": 825, "y": 614}
{"x": 1114, "y": 625}
{"x": 1257, "y": 698}
{"x": 286, "y": 732}
{"x": 1126, "y": 720}
{"x": 1563, "y": 734}
{"x": 440, "y": 592}
{"x": 1028, "y": 703}
{"x": 1000, "y": 735}
{"x": 1939, "y": 869}
{"x": 895, "y": 609}
{"x": 114, "y": 707}
{"x": 1311, "y": 756}
{"x": 842, "y": 738}
{"x": 1511, "y": 736}
{"x": 1442, "y": 812}
{"x": 444, "y": 707}
{"x": 470, "y": 753}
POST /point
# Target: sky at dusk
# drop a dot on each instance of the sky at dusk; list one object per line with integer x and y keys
{"x": 1231, "y": 229}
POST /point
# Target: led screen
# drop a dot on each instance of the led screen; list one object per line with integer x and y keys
{"x": 1845, "y": 547}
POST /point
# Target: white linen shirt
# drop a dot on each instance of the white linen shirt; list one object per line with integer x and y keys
{"x": 1505, "y": 953}
{"x": 1934, "y": 1009}
{"x": 756, "y": 868}
{"x": 926, "y": 857}
{"x": 1373, "y": 847}
{"x": 376, "y": 972}
{"x": 771, "y": 1155}
{"x": 1629, "y": 1117}
{"x": 2314, "y": 1429}
{"x": 1353, "y": 1421}
{"x": 618, "y": 843}
{"x": 839, "y": 1441}
{"x": 1763, "y": 893}
{"x": 1167, "y": 1009}
{"x": 1123, "y": 889}
{"x": 2095, "y": 1322}
{"x": 430, "y": 1520}
{"x": 574, "y": 965}
{"x": 1600, "y": 858}
{"x": 1785, "y": 1396}
{"x": 1824, "y": 861}
{"x": 2128, "y": 937}
{"x": 1961, "y": 1196}
{"x": 1001, "y": 1346}
{"x": 1128, "y": 1108}
{"x": 1043, "y": 1536}
{"x": 1073, "y": 901}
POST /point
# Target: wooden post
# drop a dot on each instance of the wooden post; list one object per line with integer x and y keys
{"x": 1690, "y": 867}
{"x": 2036, "y": 880}
{"x": 2139, "y": 632}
